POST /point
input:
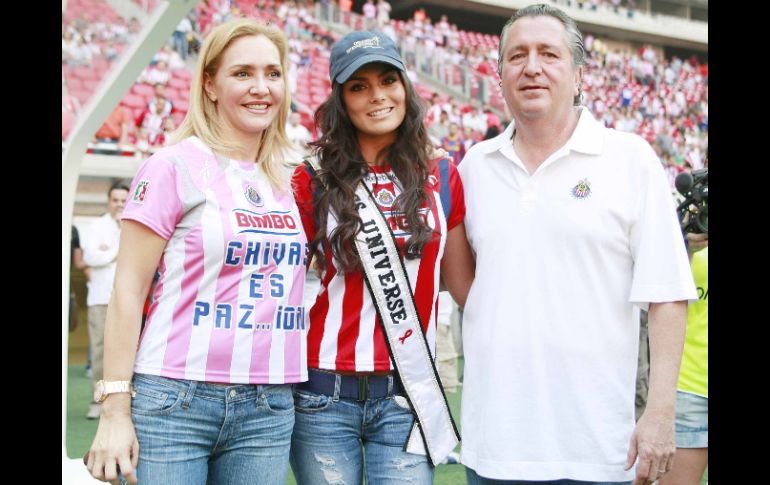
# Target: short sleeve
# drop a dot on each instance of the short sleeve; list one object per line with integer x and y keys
{"x": 154, "y": 197}
{"x": 661, "y": 267}
{"x": 303, "y": 187}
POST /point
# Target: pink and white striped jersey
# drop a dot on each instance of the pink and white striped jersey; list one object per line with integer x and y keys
{"x": 228, "y": 305}
{"x": 345, "y": 332}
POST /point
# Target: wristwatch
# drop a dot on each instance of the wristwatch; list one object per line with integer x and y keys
{"x": 105, "y": 388}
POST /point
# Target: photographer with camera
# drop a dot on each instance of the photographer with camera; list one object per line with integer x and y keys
{"x": 693, "y": 210}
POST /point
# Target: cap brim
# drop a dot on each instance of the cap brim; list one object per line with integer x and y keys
{"x": 368, "y": 59}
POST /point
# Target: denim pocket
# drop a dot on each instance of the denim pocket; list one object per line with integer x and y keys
{"x": 402, "y": 403}
{"x": 306, "y": 401}
{"x": 278, "y": 400}
{"x": 153, "y": 399}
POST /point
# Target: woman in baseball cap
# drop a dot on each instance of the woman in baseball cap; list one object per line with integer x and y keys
{"x": 380, "y": 212}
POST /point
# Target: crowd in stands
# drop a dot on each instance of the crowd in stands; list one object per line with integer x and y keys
{"x": 663, "y": 100}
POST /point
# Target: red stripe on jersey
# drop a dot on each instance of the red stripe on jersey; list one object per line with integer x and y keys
{"x": 381, "y": 354}
{"x": 352, "y": 303}
{"x": 318, "y": 313}
{"x": 425, "y": 289}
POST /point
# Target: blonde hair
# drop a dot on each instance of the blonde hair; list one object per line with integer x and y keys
{"x": 202, "y": 119}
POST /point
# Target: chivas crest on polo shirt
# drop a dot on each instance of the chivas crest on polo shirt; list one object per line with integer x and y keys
{"x": 582, "y": 190}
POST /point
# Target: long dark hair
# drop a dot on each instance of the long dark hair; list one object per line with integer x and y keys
{"x": 343, "y": 166}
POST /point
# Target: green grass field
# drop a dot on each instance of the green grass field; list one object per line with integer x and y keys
{"x": 80, "y": 431}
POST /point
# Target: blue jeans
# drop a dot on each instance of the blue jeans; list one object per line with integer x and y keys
{"x": 475, "y": 479}
{"x": 333, "y": 438}
{"x": 193, "y": 433}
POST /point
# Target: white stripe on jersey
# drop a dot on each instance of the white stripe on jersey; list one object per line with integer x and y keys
{"x": 213, "y": 250}
{"x": 240, "y": 362}
{"x": 365, "y": 342}
{"x": 430, "y": 334}
{"x": 152, "y": 352}
{"x": 327, "y": 355}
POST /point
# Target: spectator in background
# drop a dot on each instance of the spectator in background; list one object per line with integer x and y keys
{"x": 156, "y": 74}
{"x": 160, "y": 94}
{"x": 370, "y": 15}
{"x": 76, "y": 262}
{"x": 446, "y": 355}
{"x": 475, "y": 119}
{"x": 692, "y": 401}
{"x": 100, "y": 251}
{"x": 492, "y": 119}
{"x": 117, "y": 127}
{"x": 564, "y": 324}
{"x": 439, "y": 129}
{"x": 153, "y": 120}
{"x": 222, "y": 313}
{"x": 179, "y": 37}
{"x": 453, "y": 143}
{"x": 383, "y": 13}
{"x": 470, "y": 137}
{"x": 297, "y": 133}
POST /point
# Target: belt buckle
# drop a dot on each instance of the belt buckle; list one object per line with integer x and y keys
{"x": 363, "y": 388}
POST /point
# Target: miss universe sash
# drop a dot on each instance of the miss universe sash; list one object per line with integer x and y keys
{"x": 434, "y": 429}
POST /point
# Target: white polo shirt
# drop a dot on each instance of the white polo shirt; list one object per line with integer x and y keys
{"x": 564, "y": 260}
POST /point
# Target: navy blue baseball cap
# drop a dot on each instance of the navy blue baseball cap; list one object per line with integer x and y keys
{"x": 359, "y": 48}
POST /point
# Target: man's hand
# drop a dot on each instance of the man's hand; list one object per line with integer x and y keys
{"x": 653, "y": 441}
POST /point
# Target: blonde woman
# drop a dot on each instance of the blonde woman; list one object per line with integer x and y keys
{"x": 211, "y": 372}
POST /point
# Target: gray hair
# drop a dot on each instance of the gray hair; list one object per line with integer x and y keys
{"x": 574, "y": 38}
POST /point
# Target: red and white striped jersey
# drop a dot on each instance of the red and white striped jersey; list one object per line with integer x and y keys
{"x": 345, "y": 332}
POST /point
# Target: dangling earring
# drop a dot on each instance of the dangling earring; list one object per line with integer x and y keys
{"x": 500, "y": 84}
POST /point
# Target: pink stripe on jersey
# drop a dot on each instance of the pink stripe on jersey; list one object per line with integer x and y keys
{"x": 292, "y": 362}
{"x": 221, "y": 342}
{"x": 177, "y": 348}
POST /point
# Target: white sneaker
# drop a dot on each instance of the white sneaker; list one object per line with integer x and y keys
{"x": 94, "y": 410}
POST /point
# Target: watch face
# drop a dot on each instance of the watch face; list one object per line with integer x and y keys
{"x": 99, "y": 391}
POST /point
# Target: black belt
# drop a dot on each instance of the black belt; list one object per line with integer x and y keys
{"x": 359, "y": 388}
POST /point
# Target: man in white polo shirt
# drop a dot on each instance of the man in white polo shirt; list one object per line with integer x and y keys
{"x": 574, "y": 232}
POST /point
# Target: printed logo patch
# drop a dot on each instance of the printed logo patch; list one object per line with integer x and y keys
{"x": 253, "y": 196}
{"x": 582, "y": 190}
{"x": 140, "y": 193}
{"x": 280, "y": 223}
{"x": 385, "y": 198}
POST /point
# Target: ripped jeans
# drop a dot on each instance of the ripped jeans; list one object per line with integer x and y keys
{"x": 333, "y": 437}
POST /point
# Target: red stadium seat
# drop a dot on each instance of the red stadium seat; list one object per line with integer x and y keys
{"x": 83, "y": 72}
{"x": 91, "y": 84}
{"x": 181, "y": 106}
{"x": 133, "y": 101}
{"x": 142, "y": 89}
{"x": 181, "y": 74}
{"x": 178, "y": 83}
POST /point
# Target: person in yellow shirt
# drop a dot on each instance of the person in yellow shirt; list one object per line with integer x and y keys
{"x": 692, "y": 402}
